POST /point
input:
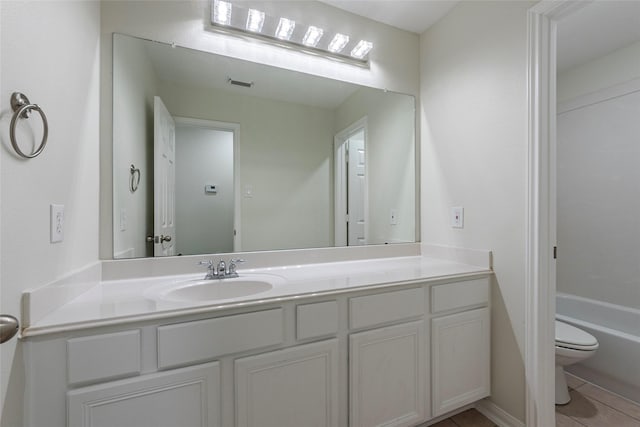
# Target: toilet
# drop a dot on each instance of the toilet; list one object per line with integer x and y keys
{"x": 573, "y": 345}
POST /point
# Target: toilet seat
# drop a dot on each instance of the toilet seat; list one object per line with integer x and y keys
{"x": 570, "y": 337}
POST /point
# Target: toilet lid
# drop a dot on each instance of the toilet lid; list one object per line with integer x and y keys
{"x": 572, "y": 337}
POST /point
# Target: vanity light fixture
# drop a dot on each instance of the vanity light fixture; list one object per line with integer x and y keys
{"x": 222, "y": 12}
{"x": 362, "y": 49}
{"x": 255, "y": 20}
{"x": 338, "y": 43}
{"x": 312, "y": 36}
{"x": 285, "y": 28}
{"x": 231, "y": 18}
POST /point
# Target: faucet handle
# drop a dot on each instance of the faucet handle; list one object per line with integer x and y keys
{"x": 232, "y": 265}
{"x": 208, "y": 263}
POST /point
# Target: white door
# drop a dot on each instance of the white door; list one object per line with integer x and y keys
{"x": 356, "y": 189}
{"x": 164, "y": 178}
{"x": 351, "y": 185}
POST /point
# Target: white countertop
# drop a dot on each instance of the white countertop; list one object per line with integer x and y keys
{"x": 121, "y": 301}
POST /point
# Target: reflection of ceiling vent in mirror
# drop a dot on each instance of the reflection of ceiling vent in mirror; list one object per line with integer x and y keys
{"x": 240, "y": 83}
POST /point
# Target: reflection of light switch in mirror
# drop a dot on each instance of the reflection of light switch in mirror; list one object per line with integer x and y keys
{"x": 393, "y": 217}
{"x": 248, "y": 191}
{"x": 210, "y": 189}
{"x": 123, "y": 219}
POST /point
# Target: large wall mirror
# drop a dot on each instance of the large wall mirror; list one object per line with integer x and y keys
{"x": 217, "y": 155}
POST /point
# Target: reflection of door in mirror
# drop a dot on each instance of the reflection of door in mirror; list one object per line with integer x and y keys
{"x": 356, "y": 189}
{"x": 351, "y": 188}
{"x": 205, "y": 191}
{"x": 164, "y": 166}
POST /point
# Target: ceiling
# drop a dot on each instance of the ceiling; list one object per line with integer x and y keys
{"x": 204, "y": 70}
{"x": 596, "y": 30}
{"x": 409, "y": 15}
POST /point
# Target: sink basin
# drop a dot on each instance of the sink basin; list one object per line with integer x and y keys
{"x": 216, "y": 289}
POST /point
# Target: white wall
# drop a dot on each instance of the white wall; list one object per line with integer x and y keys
{"x": 617, "y": 67}
{"x": 133, "y": 129}
{"x": 390, "y": 160}
{"x": 285, "y": 156}
{"x": 474, "y": 154}
{"x": 598, "y": 174}
{"x": 49, "y": 51}
{"x": 204, "y": 221}
{"x": 394, "y": 63}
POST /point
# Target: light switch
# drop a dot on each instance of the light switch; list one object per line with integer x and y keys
{"x": 393, "y": 217}
{"x": 123, "y": 219}
{"x": 248, "y": 191}
{"x": 57, "y": 223}
{"x": 457, "y": 217}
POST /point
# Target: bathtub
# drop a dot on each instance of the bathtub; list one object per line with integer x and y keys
{"x": 616, "y": 364}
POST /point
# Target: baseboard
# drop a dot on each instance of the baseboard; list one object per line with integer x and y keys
{"x": 497, "y": 414}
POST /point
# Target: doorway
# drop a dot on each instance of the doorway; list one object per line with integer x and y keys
{"x": 206, "y": 170}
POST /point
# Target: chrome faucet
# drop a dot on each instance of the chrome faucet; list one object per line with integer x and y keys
{"x": 221, "y": 271}
{"x": 211, "y": 271}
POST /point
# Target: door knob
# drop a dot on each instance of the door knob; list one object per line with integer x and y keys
{"x": 9, "y": 326}
{"x": 158, "y": 239}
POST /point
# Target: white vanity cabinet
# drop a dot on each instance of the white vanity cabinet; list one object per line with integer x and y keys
{"x": 394, "y": 355}
{"x": 387, "y": 365}
{"x": 188, "y": 397}
{"x": 460, "y": 344}
{"x": 387, "y": 376}
{"x": 294, "y": 387}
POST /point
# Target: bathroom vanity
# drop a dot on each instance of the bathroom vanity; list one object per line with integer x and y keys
{"x": 392, "y": 342}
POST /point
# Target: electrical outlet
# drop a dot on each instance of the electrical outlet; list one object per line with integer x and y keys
{"x": 457, "y": 217}
{"x": 57, "y": 223}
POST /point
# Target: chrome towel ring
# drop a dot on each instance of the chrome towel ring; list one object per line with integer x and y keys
{"x": 22, "y": 108}
{"x": 134, "y": 179}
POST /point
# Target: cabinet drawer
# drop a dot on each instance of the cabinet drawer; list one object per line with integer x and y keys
{"x": 316, "y": 320}
{"x": 102, "y": 357}
{"x": 190, "y": 342}
{"x": 459, "y": 295}
{"x": 373, "y": 310}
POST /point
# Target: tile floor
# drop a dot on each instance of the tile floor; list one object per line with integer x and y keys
{"x": 590, "y": 406}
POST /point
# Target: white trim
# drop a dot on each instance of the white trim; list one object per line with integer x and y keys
{"x": 340, "y": 178}
{"x": 498, "y": 415}
{"x": 598, "y": 96}
{"x": 540, "y": 282}
{"x": 237, "y": 204}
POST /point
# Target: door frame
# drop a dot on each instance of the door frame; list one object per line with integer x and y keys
{"x": 340, "y": 175}
{"x": 235, "y": 129}
{"x": 540, "y": 265}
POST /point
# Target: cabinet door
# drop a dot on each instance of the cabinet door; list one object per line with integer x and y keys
{"x": 460, "y": 346}
{"x": 188, "y": 397}
{"x": 387, "y": 376}
{"x": 293, "y": 387}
